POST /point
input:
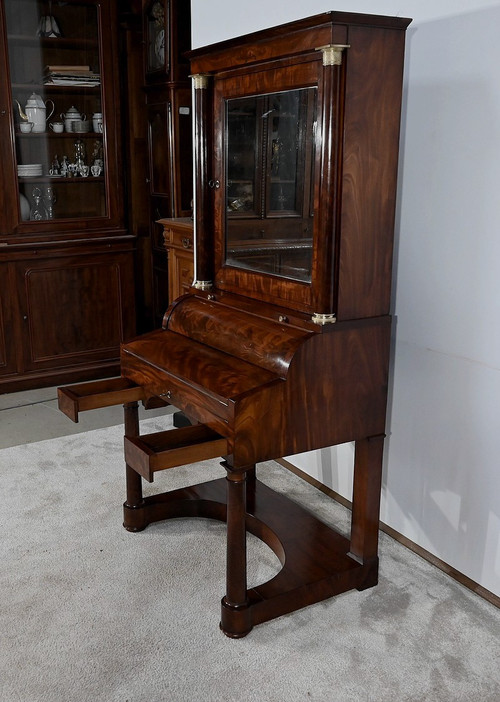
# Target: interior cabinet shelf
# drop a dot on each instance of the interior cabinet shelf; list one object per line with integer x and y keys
{"x": 59, "y": 135}
{"x": 60, "y": 180}
{"x": 56, "y": 43}
{"x": 26, "y": 87}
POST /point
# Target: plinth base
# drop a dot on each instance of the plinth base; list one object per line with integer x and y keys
{"x": 316, "y": 563}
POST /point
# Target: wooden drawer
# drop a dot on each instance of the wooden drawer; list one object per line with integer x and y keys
{"x": 202, "y": 381}
{"x": 195, "y": 401}
{"x": 182, "y": 239}
{"x": 74, "y": 399}
{"x": 150, "y": 453}
{"x": 179, "y": 236}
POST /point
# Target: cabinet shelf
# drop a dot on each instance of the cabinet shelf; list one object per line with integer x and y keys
{"x": 48, "y": 87}
{"x": 52, "y": 42}
{"x": 59, "y": 135}
{"x": 75, "y": 180}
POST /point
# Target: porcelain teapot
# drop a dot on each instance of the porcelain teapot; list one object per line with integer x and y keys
{"x": 35, "y": 111}
{"x": 72, "y": 115}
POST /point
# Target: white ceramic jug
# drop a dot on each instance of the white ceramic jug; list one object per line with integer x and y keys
{"x": 35, "y": 111}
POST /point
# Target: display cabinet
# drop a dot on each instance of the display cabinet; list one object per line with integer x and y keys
{"x": 167, "y": 38}
{"x": 61, "y": 197}
{"x": 282, "y": 344}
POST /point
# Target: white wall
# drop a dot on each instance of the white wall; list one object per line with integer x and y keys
{"x": 442, "y": 478}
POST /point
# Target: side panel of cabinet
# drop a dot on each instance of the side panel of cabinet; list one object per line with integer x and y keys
{"x": 180, "y": 272}
{"x": 159, "y": 270}
{"x": 371, "y": 135}
{"x": 74, "y": 308}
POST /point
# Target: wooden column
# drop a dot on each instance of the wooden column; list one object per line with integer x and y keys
{"x": 332, "y": 105}
{"x": 133, "y": 480}
{"x": 235, "y": 613}
{"x": 203, "y": 219}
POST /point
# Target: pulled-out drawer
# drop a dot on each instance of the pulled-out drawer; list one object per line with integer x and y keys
{"x": 150, "y": 453}
{"x": 100, "y": 393}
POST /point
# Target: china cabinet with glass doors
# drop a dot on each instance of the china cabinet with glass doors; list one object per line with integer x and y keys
{"x": 65, "y": 253}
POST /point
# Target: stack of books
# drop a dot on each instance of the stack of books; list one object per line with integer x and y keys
{"x": 71, "y": 75}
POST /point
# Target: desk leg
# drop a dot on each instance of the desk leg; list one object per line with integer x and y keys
{"x": 235, "y": 615}
{"x": 133, "y": 479}
{"x": 366, "y": 505}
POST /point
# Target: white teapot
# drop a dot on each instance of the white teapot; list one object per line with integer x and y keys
{"x": 35, "y": 111}
{"x": 72, "y": 115}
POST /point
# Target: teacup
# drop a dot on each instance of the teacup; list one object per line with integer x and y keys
{"x": 26, "y": 127}
{"x": 57, "y": 127}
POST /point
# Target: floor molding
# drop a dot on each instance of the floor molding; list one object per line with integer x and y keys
{"x": 411, "y": 545}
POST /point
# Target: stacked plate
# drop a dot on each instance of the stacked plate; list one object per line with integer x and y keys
{"x": 29, "y": 170}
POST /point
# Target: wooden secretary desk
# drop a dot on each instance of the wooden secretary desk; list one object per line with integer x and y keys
{"x": 282, "y": 343}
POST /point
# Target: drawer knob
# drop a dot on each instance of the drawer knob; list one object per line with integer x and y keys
{"x": 186, "y": 243}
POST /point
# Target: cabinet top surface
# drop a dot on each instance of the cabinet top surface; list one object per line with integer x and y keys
{"x": 324, "y": 19}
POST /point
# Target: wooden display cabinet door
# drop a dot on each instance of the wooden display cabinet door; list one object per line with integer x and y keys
{"x": 72, "y": 309}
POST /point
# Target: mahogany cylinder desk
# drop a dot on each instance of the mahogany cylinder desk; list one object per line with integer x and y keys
{"x": 282, "y": 343}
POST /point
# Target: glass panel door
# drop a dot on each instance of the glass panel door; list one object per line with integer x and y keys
{"x": 55, "y": 76}
{"x": 270, "y": 141}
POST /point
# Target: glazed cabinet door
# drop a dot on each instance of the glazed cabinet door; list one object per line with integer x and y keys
{"x": 59, "y": 110}
{"x": 73, "y": 309}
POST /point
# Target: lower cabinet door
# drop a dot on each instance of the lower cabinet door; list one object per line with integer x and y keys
{"x": 75, "y": 309}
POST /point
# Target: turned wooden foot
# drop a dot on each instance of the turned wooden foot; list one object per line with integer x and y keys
{"x": 134, "y": 499}
{"x": 235, "y": 612}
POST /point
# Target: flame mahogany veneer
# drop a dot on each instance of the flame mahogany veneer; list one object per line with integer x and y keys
{"x": 265, "y": 366}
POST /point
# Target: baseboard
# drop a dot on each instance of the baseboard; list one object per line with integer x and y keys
{"x": 422, "y": 552}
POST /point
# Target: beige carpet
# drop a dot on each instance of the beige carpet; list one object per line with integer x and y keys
{"x": 92, "y": 613}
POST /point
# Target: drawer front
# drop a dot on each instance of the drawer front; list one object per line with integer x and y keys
{"x": 182, "y": 239}
{"x": 179, "y": 237}
{"x": 197, "y": 403}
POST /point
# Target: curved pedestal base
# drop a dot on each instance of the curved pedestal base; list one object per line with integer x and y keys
{"x": 316, "y": 560}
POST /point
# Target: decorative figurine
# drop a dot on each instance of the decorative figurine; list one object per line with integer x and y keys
{"x": 38, "y": 210}
{"x": 64, "y": 166}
